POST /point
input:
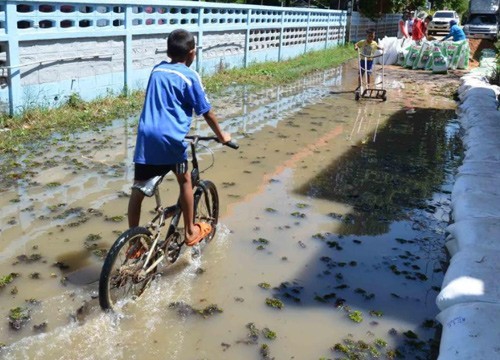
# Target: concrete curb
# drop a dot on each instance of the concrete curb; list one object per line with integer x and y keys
{"x": 470, "y": 296}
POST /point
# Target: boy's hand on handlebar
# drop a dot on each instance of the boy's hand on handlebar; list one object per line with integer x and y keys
{"x": 225, "y": 137}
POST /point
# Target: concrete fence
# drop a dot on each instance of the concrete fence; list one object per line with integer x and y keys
{"x": 51, "y": 50}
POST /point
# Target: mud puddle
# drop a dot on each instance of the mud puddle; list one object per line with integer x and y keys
{"x": 330, "y": 243}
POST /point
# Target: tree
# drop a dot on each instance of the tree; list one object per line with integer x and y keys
{"x": 376, "y": 8}
{"x": 460, "y": 6}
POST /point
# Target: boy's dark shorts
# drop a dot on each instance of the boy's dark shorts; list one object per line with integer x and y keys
{"x": 144, "y": 172}
{"x": 369, "y": 66}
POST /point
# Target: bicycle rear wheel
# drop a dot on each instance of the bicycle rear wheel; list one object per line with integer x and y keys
{"x": 206, "y": 206}
{"x": 122, "y": 276}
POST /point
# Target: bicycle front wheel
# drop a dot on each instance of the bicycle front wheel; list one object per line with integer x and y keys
{"x": 123, "y": 275}
{"x": 206, "y": 206}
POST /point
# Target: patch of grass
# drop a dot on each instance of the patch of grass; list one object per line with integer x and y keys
{"x": 41, "y": 122}
{"x": 277, "y": 73}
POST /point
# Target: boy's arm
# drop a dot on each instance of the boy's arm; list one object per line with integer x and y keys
{"x": 211, "y": 120}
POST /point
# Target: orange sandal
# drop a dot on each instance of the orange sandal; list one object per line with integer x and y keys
{"x": 205, "y": 229}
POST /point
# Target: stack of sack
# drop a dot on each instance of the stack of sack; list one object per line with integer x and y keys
{"x": 469, "y": 299}
{"x": 437, "y": 56}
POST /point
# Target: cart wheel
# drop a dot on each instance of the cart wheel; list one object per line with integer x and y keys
{"x": 384, "y": 98}
{"x": 356, "y": 95}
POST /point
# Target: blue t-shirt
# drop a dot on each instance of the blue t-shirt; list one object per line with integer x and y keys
{"x": 456, "y": 33}
{"x": 174, "y": 91}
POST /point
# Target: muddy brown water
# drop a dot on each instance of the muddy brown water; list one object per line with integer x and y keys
{"x": 338, "y": 206}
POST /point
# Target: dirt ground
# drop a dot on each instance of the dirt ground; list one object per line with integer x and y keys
{"x": 476, "y": 46}
{"x": 439, "y": 84}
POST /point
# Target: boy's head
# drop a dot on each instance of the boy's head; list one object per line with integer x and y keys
{"x": 180, "y": 46}
{"x": 370, "y": 34}
{"x": 428, "y": 19}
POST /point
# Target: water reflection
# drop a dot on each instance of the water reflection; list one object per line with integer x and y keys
{"x": 396, "y": 167}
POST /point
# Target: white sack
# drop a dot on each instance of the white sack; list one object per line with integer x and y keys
{"x": 475, "y": 205}
{"x": 471, "y": 277}
{"x": 482, "y": 91}
{"x": 479, "y": 234}
{"x": 485, "y": 134}
{"x": 483, "y": 168}
{"x": 390, "y": 45}
{"x": 474, "y": 184}
{"x": 483, "y": 152}
{"x": 477, "y": 117}
{"x": 470, "y": 331}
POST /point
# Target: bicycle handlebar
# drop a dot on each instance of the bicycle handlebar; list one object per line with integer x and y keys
{"x": 196, "y": 138}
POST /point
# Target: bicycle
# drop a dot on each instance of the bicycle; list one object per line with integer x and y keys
{"x": 134, "y": 258}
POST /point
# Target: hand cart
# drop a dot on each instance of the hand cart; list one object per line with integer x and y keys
{"x": 365, "y": 90}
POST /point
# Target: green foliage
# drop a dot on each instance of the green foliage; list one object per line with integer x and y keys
{"x": 376, "y": 8}
{"x": 460, "y": 6}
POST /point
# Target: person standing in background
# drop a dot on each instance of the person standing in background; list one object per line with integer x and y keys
{"x": 420, "y": 28}
{"x": 409, "y": 25}
{"x": 403, "y": 26}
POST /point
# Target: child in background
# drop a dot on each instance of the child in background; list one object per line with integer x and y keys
{"x": 367, "y": 49}
{"x": 173, "y": 93}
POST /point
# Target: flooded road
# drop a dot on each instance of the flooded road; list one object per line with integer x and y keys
{"x": 330, "y": 240}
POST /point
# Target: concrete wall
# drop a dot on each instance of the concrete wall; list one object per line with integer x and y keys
{"x": 50, "y": 50}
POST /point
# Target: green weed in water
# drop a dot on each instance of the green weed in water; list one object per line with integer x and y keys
{"x": 264, "y": 285}
{"x": 7, "y": 279}
{"x": 93, "y": 237}
{"x": 19, "y": 313}
{"x": 268, "y": 333}
{"x": 275, "y": 303}
{"x": 356, "y": 316}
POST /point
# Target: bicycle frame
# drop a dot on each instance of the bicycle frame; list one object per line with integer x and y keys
{"x": 172, "y": 211}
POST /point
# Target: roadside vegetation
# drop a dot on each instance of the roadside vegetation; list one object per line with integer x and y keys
{"x": 75, "y": 115}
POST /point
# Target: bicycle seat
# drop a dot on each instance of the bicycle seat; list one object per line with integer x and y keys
{"x": 148, "y": 187}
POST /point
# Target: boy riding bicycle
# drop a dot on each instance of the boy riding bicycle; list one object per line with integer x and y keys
{"x": 174, "y": 91}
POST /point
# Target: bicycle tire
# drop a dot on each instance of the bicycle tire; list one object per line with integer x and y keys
{"x": 206, "y": 206}
{"x": 128, "y": 254}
